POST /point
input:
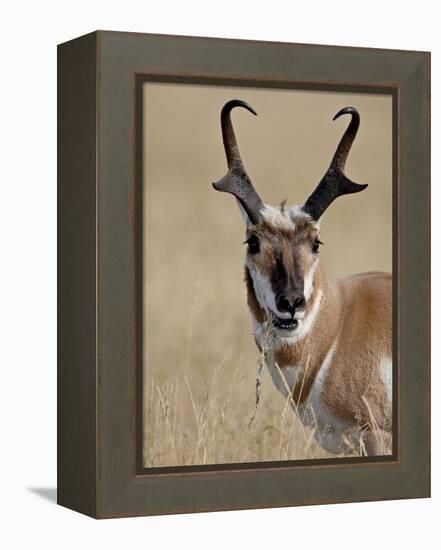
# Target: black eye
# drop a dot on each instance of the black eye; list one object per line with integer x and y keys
{"x": 253, "y": 244}
{"x": 315, "y": 245}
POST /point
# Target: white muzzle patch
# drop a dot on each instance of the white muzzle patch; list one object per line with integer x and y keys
{"x": 265, "y": 294}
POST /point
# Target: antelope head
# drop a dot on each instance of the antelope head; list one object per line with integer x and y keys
{"x": 283, "y": 242}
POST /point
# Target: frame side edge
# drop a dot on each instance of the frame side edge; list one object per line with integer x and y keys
{"x": 76, "y": 174}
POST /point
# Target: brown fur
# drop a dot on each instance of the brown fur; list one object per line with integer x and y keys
{"x": 358, "y": 311}
{"x": 253, "y": 304}
{"x": 293, "y": 246}
{"x": 311, "y": 351}
{"x": 355, "y": 311}
{"x": 365, "y": 338}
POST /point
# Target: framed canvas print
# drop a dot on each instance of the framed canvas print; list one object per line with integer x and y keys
{"x": 244, "y": 300}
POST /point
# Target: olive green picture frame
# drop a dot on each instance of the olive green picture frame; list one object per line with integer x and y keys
{"x": 100, "y": 78}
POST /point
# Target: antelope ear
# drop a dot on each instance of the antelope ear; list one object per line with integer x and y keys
{"x": 244, "y": 214}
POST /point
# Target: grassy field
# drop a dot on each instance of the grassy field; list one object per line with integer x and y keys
{"x": 200, "y": 360}
{"x": 229, "y": 416}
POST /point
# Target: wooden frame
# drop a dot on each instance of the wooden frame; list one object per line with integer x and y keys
{"x": 100, "y": 322}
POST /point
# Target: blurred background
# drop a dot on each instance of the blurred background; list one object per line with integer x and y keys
{"x": 200, "y": 360}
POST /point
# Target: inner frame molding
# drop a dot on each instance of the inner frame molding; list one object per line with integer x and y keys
{"x": 140, "y": 80}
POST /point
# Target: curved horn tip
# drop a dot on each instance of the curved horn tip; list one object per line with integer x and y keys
{"x": 229, "y": 105}
{"x": 363, "y": 186}
{"x": 346, "y": 111}
{"x": 352, "y": 187}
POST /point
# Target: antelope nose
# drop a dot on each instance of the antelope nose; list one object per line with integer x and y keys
{"x": 290, "y": 304}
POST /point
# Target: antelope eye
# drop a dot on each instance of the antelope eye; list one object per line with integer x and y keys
{"x": 316, "y": 245}
{"x": 253, "y": 244}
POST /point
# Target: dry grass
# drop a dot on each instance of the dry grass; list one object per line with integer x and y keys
{"x": 223, "y": 424}
{"x": 229, "y": 421}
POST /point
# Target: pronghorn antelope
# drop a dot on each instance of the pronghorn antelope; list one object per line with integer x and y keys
{"x": 327, "y": 344}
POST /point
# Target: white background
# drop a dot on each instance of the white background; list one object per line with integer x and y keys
{"x": 29, "y": 34}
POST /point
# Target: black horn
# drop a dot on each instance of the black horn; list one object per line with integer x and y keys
{"x": 236, "y": 180}
{"x": 334, "y": 183}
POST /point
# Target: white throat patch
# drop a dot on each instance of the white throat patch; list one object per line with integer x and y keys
{"x": 264, "y": 292}
{"x": 309, "y": 281}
